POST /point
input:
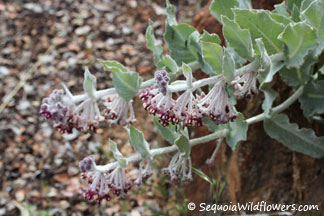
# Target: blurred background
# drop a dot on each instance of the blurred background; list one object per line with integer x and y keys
{"x": 39, "y": 166}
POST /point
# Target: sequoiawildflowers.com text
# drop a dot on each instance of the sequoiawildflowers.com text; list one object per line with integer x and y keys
{"x": 254, "y": 207}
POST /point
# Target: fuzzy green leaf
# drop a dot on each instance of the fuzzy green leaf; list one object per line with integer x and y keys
{"x": 108, "y": 65}
{"x": 268, "y": 69}
{"x": 237, "y": 133}
{"x": 187, "y": 72}
{"x": 312, "y": 99}
{"x": 219, "y": 8}
{"x": 169, "y": 64}
{"x": 171, "y": 13}
{"x": 298, "y": 76}
{"x": 126, "y": 83}
{"x": 182, "y": 142}
{"x": 280, "y": 18}
{"x": 117, "y": 155}
{"x": 304, "y": 5}
{"x": 213, "y": 56}
{"x": 301, "y": 140}
{"x": 137, "y": 140}
{"x": 228, "y": 66}
{"x": 89, "y": 83}
{"x": 269, "y": 97}
{"x": 281, "y": 9}
{"x": 314, "y": 16}
{"x": 293, "y": 3}
{"x": 177, "y": 38}
{"x": 207, "y": 37}
{"x": 300, "y": 38}
{"x": 261, "y": 25}
{"x": 153, "y": 45}
{"x": 239, "y": 39}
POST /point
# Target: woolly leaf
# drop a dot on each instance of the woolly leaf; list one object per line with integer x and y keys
{"x": 169, "y": 64}
{"x": 89, "y": 83}
{"x": 312, "y": 99}
{"x": 187, "y": 72}
{"x": 293, "y": 3}
{"x": 213, "y": 56}
{"x": 298, "y": 76}
{"x": 239, "y": 39}
{"x": 261, "y": 25}
{"x": 126, "y": 83}
{"x": 228, "y": 66}
{"x": 300, "y": 38}
{"x": 314, "y": 16}
{"x": 136, "y": 139}
{"x": 302, "y": 140}
{"x": 207, "y": 37}
{"x": 108, "y": 65}
{"x": 281, "y": 9}
{"x": 269, "y": 97}
{"x": 177, "y": 38}
{"x": 267, "y": 69}
{"x": 153, "y": 45}
{"x": 182, "y": 142}
{"x": 237, "y": 132}
{"x": 117, "y": 155}
{"x": 219, "y": 8}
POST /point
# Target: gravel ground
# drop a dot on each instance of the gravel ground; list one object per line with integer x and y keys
{"x": 39, "y": 166}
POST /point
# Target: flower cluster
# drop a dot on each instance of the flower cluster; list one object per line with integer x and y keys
{"x": 100, "y": 184}
{"x": 187, "y": 108}
{"x": 117, "y": 111}
{"x": 179, "y": 168}
{"x": 57, "y": 107}
{"x": 162, "y": 80}
{"x": 144, "y": 173}
{"x": 216, "y": 104}
{"x": 245, "y": 86}
{"x": 66, "y": 115}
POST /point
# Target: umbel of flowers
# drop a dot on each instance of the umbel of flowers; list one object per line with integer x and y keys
{"x": 188, "y": 109}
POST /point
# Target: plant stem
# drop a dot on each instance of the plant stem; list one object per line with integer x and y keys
{"x": 253, "y": 66}
{"x": 218, "y": 134}
{"x": 278, "y": 108}
{"x": 164, "y": 150}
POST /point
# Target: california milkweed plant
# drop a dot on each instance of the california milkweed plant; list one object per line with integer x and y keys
{"x": 259, "y": 44}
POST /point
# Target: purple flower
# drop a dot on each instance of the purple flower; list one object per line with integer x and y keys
{"x": 58, "y": 108}
{"x": 117, "y": 111}
{"x": 186, "y": 110}
{"x": 118, "y": 182}
{"x": 159, "y": 104}
{"x": 87, "y": 164}
{"x": 245, "y": 85}
{"x": 179, "y": 168}
{"x": 87, "y": 115}
{"x": 144, "y": 173}
{"x": 162, "y": 79}
{"x": 216, "y": 104}
{"x": 99, "y": 184}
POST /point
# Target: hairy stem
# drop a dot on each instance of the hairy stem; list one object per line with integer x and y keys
{"x": 253, "y": 66}
{"x": 278, "y": 108}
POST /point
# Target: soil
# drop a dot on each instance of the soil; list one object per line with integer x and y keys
{"x": 261, "y": 169}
